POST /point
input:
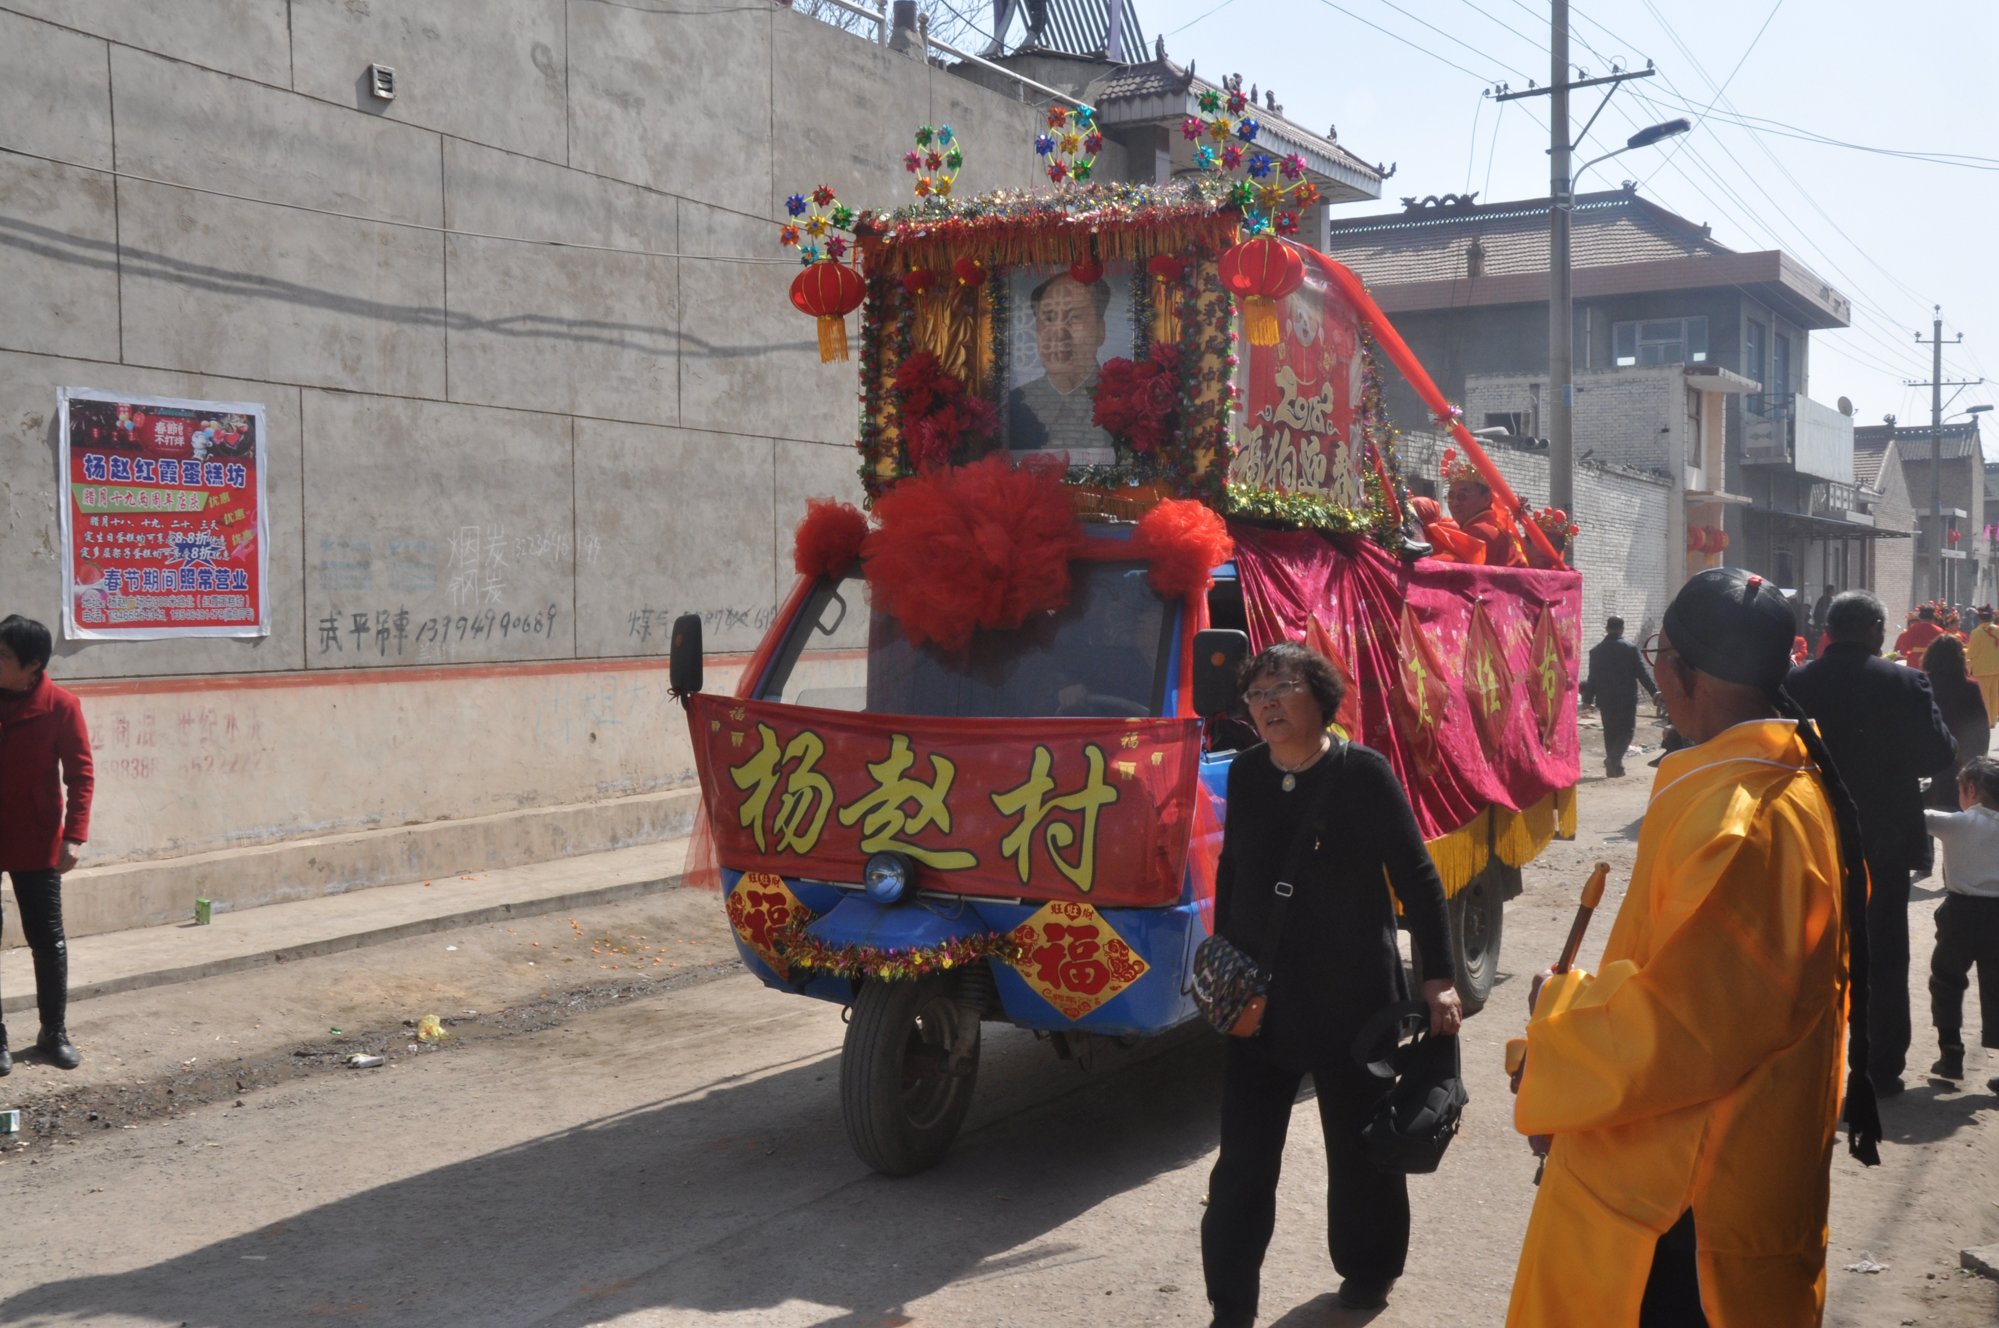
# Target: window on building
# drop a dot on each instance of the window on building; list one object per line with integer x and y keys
{"x": 1659, "y": 341}
{"x": 1752, "y": 362}
{"x": 1515, "y": 422}
{"x": 1780, "y": 366}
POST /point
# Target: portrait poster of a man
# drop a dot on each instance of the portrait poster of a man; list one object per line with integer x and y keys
{"x": 1062, "y": 331}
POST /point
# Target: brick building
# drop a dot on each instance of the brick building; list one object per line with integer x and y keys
{"x": 1956, "y": 485}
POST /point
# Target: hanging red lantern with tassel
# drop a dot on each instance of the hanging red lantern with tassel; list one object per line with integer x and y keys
{"x": 828, "y": 291}
{"x": 1260, "y": 272}
{"x": 1697, "y": 539}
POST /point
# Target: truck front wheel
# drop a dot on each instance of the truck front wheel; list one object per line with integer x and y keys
{"x": 907, "y": 1071}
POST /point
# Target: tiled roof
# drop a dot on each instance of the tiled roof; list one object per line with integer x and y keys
{"x": 1154, "y": 78}
{"x": 1867, "y": 459}
{"x": 1424, "y": 242}
{"x": 1959, "y": 441}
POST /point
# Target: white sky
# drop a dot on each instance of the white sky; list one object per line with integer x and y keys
{"x": 1896, "y": 236}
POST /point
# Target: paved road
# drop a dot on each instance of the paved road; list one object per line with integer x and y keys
{"x": 618, "y": 1141}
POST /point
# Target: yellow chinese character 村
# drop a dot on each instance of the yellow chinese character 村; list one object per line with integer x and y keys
{"x": 1030, "y": 802}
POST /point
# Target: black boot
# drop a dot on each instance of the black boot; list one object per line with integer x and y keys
{"x": 54, "y": 1044}
{"x": 1950, "y": 1065}
{"x": 6, "y": 1061}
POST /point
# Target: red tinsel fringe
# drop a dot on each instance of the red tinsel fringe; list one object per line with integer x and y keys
{"x": 1184, "y": 541}
{"x": 977, "y": 546}
{"x": 828, "y": 540}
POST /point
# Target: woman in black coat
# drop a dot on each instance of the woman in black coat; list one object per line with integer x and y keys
{"x": 1962, "y": 706}
{"x": 1335, "y": 966}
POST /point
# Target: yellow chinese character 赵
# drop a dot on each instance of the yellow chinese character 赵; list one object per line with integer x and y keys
{"x": 807, "y": 798}
{"x": 1030, "y": 802}
{"x": 886, "y": 821}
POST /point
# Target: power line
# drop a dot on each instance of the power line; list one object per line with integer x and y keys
{"x": 1406, "y": 42}
{"x": 1198, "y": 18}
{"x": 1721, "y": 91}
{"x": 1517, "y": 73}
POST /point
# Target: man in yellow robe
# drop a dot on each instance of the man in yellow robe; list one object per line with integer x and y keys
{"x": 1981, "y": 657}
{"x": 1692, "y": 1087}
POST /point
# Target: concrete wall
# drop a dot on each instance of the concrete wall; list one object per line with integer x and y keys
{"x": 1624, "y": 519}
{"x": 460, "y": 425}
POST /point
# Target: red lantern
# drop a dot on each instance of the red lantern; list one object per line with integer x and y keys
{"x": 1955, "y": 536}
{"x": 1697, "y": 539}
{"x": 1719, "y": 538}
{"x": 828, "y": 291}
{"x": 1087, "y": 271}
{"x": 1260, "y": 272}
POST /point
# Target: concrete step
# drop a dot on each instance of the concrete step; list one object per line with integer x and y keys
{"x": 111, "y": 962}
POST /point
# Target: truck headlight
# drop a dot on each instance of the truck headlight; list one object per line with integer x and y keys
{"x": 887, "y": 877}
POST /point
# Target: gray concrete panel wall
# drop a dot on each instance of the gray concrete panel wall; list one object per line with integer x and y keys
{"x": 55, "y": 92}
{"x": 472, "y": 428}
{"x": 681, "y": 517}
{"x": 436, "y": 533}
{"x": 492, "y": 73}
{"x": 59, "y": 244}
{"x": 678, "y": 101}
{"x": 254, "y": 291}
{"x": 247, "y": 37}
{"x": 30, "y": 574}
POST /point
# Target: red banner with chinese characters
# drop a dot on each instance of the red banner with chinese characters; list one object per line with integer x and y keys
{"x": 163, "y": 522}
{"x": 1466, "y": 674}
{"x": 1300, "y": 430}
{"x": 1096, "y": 809}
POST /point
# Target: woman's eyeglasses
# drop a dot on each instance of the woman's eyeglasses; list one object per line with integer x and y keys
{"x": 1257, "y": 696}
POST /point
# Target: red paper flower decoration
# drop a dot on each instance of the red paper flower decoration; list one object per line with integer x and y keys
{"x": 1137, "y": 402}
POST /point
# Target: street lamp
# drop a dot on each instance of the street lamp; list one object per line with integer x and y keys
{"x": 1561, "y": 307}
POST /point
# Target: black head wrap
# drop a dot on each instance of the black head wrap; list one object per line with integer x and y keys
{"x": 1735, "y": 626}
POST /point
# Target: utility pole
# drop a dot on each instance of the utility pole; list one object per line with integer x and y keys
{"x": 1561, "y": 203}
{"x": 1936, "y": 386}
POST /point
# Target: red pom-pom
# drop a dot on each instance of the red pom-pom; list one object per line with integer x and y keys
{"x": 1166, "y": 267}
{"x": 829, "y": 539}
{"x": 1087, "y": 271}
{"x": 1184, "y": 541}
{"x": 969, "y": 272}
{"x": 970, "y": 547}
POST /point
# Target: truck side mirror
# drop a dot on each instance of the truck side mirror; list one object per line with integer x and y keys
{"x": 1218, "y": 656}
{"x": 683, "y": 668}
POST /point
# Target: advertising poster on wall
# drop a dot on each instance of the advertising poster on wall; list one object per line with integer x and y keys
{"x": 163, "y": 524}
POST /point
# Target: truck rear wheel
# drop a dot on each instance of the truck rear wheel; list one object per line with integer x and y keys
{"x": 907, "y": 1070}
{"x": 1478, "y": 915}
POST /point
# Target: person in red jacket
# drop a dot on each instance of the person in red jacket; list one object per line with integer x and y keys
{"x": 44, "y": 750}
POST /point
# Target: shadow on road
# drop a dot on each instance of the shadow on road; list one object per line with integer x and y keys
{"x": 740, "y": 1199}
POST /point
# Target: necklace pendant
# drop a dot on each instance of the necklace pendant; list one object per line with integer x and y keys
{"x": 1290, "y": 782}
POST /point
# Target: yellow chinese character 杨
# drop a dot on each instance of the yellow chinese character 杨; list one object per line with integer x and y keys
{"x": 807, "y": 797}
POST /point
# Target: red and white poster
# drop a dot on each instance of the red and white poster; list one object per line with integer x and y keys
{"x": 163, "y": 524}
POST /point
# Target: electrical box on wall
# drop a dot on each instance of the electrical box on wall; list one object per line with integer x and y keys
{"x": 382, "y": 82}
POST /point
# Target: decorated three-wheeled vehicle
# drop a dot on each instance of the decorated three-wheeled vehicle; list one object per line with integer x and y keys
{"x": 1112, "y": 439}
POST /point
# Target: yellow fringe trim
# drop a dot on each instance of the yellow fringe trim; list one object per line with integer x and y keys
{"x": 1565, "y": 806}
{"x": 1518, "y": 837}
{"x": 1463, "y": 853}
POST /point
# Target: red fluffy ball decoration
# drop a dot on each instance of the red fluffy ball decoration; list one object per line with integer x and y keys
{"x": 1184, "y": 542}
{"x": 829, "y": 539}
{"x": 970, "y": 547}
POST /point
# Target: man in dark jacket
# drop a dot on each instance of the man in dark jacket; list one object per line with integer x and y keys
{"x": 44, "y": 751}
{"x": 1616, "y": 672}
{"x": 1881, "y": 724}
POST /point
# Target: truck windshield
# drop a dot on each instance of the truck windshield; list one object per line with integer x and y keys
{"x": 1102, "y": 654}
